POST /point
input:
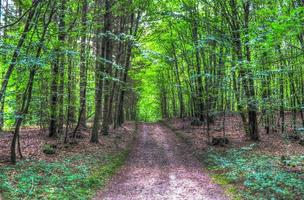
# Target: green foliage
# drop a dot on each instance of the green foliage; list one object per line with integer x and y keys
{"x": 262, "y": 176}
{"x": 148, "y": 104}
{"x": 225, "y": 183}
{"x": 48, "y": 149}
{"x": 75, "y": 178}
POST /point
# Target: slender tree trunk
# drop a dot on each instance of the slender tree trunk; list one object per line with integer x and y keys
{"x": 57, "y": 86}
{"x": 114, "y": 84}
{"x": 108, "y": 66}
{"x": 179, "y": 89}
{"x": 100, "y": 50}
{"x": 200, "y": 100}
{"x": 120, "y": 116}
{"x": 24, "y": 110}
{"x": 54, "y": 100}
{"x": 27, "y": 96}
{"x": 62, "y": 60}
{"x": 282, "y": 95}
{"x": 2, "y": 114}
{"x": 71, "y": 118}
{"x": 265, "y": 96}
{"x": 83, "y": 67}
{"x": 173, "y": 97}
{"x": 3, "y": 73}
{"x": 252, "y": 107}
{"x": 26, "y": 30}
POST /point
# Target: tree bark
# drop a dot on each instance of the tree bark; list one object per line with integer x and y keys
{"x": 200, "y": 100}
{"x": 133, "y": 31}
{"x": 26, "y": 29}
{"x": 27, "y": 96}
{"x": 62, "y": 60}
{"x": 108, "y": 65}
{"x": 83, "y": 67}
{"x": 252, "y": 107}
{"x": 99, "y": 68}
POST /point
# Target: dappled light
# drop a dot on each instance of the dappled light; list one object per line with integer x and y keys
{"x": 161, "y": 168}
{"x": 152, "y": 99}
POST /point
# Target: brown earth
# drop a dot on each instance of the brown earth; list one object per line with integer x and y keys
{"x": 33, "y": 139}
{"x": 270, "y": 144}
{"x": 161, "y": 167}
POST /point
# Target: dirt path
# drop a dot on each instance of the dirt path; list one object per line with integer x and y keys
{"x": 161, "y": 168}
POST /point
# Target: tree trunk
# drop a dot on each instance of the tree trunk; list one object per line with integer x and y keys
{"x": 83, "y": 67}
{"x": 120, "y": 115}
{"x": 108, "y": 65}
{"x": 54, "y": 100}
{"x": 100, "y": 50}
{"x": 26, "y": 30}
{"x": 200, "y": 100}
{"x": 71, "y": 111}
{"x": 61, "y": 59}
{"x": 27, "y": 95}
{"x": 252, "y": 107}
{"x": 179, "y": 89}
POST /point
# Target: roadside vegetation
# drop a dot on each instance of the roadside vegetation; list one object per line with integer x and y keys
{"x": 77, "y": 177}
{"x": 257, "y": 176}
{"x": 272, "y": 168}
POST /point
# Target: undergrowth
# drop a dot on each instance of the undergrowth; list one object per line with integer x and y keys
{"x": 258, "y": 176}
{"x": 74, "y": 178}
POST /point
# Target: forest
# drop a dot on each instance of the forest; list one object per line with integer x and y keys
{"x": 152, "y": 99}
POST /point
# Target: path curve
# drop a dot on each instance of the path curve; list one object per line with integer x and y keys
{"x": 160, "y": 168}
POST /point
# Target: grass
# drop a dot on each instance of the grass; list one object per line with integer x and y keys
{"x": 247, "y": 175}
{"x": 225, "y": 183}
{"x": 77, "y": 177}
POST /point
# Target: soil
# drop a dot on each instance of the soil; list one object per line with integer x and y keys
{"x": 161, "y": 167}
{"x": 274, "y": 143}
{"x": 32, "y": 140}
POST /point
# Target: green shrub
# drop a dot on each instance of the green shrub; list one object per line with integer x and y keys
{"x": 262, "y": 176}
{"x": 76, "y": 178}
{"x": 48, "y": 149}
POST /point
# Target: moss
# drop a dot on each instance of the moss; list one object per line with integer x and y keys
{"x": 48, "y": 149}
{"x": 225, "y": 183}
{"x": 101, "y": 175}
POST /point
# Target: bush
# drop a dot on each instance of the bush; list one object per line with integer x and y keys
{"x": 49, "y": 149}
{"x": 262, "y": 176}
{"x": 75, "y": 178}
{"x": 196, "y": 122}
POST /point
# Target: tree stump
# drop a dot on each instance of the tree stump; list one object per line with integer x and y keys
{"x": 219, "y": 141}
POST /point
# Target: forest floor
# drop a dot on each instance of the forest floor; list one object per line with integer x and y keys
{"x": 74, "y": 171}
{"x": 272, "y": 168}
{"x": 169, "y": 160}
{"x": 161, "y": 167}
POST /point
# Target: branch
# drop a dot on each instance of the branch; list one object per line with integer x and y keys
{"x": 296, "y": 47}
{"x": 19, "y": 19}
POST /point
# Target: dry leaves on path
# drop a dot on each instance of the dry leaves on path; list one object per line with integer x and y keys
{"x": 160, "y": 167}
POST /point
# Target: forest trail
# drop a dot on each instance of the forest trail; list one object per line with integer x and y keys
{"x": 161, "y": 168}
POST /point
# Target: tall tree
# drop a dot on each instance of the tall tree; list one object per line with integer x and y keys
{"x": 27, "y": 95}
{"x": 27, "y": 27}
{"x": 108, "y": 64}
{"x": 83, "y": 67}
{"x": 99, "y": 68}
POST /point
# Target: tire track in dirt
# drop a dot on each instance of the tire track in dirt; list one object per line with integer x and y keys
{"x": 160, "y": 168}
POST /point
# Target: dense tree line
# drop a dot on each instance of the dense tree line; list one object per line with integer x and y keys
{"x": 64, "y": 63}
{"x": 213, "y": 57}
